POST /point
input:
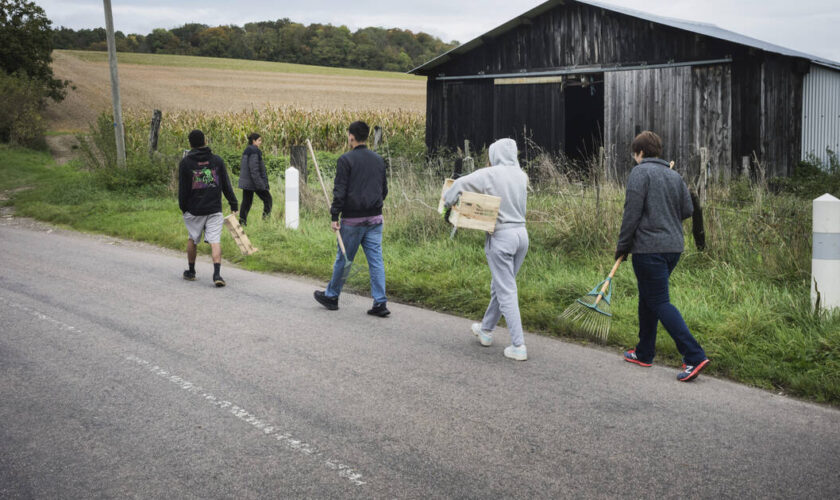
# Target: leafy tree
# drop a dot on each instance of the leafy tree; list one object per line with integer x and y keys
{"x": 281, "y": 40}
{"x": 26, "y": 45}
{"x": 162, "y": 41}
{"x": 188, "y": 34}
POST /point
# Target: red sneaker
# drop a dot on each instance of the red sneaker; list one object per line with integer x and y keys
{"x": 630, "y": 357}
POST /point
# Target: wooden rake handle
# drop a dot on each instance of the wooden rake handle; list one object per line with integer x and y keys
{"x": 608, "y": 280}
{"x": 326, "y": 196}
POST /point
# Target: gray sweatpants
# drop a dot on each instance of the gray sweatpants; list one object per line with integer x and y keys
{"x": 505, "y": 251}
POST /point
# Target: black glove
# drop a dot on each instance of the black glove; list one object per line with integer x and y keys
{"x": 447, "y": 213}
{"x": 621, "y": 253}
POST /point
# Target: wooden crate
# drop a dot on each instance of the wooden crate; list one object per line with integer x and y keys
{"x": 239, "y": 236}
{"x": 446, "y": 185}
{"x": 473, "y": 211}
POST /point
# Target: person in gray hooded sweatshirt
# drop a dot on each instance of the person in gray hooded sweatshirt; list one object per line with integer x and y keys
{"x": 506, "y": 247}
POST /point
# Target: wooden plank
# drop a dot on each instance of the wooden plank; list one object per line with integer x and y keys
{"x": 528, "y": 80}
{"x": 239, "y": 236}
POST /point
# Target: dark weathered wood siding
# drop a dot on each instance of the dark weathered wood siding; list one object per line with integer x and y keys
{"x": 752, "y": 104}
{"x": 688, "y": 107}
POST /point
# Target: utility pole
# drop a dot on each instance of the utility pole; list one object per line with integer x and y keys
{"x": 119, "y": 132}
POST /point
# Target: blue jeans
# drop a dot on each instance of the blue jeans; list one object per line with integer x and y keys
{"x": 652, "y": 273}
{"x": 370, "y": 238}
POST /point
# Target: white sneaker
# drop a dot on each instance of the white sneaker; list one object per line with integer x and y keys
{"x": 485, "y": 338}
{"x": 518, "y": 353}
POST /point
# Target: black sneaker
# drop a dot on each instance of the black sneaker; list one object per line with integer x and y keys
{"x": 189, "y": 275}
{"x": 218, "y": 281}
{"x": 243, "y": 222}
{"x": 379, "y": 309}
{"x": 330, "y": 303}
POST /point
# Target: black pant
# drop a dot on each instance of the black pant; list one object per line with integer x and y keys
{"x": 248, "y": 199}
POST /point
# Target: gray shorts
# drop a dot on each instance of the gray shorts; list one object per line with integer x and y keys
{"x": 210, "y": 225}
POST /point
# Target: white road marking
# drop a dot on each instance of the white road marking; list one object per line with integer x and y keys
{"x": 262, "y": 425}
{"x": 269, "y": 430}
{"x": 64, "y": 326}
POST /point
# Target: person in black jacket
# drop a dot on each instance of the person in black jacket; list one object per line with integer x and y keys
{"x": 202, "y": 178}
{"x": 360, "y": 189}
{"x": 253, "y": 179}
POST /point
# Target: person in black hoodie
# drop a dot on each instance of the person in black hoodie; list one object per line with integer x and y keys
{"x": 253, "y": 179}
{"x": 361, "y": 186}
{"x": 202, "y": 178}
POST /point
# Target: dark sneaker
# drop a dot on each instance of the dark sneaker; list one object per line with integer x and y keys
{"x": 630, "y": 357}
{"x": 243, "y": 222}
{"x": 691, "y": 371}
{"x": 218, "y": 281}
{"x": 379, "y": 309}
{"x": 330, "y": 303}
{"x": 189, "y": 275}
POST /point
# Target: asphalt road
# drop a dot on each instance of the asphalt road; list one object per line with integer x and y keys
{"x": 120, "y": 379}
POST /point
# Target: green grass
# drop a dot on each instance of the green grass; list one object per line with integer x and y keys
{"x": 233, "y": 64}
{"x": 746, "y": 298}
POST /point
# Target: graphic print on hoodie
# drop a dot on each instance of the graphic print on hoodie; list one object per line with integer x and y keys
{"x": 205, "y": 178}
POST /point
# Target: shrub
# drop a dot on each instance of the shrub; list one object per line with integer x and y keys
{"x": 99, "y": 155}
{"x": 21, "y": 101}
{"x": 811, "y": 178}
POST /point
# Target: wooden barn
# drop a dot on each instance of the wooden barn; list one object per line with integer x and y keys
{"x": 575, "y": 75}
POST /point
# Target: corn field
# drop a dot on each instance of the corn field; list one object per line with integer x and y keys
{"x": 280, "y": 127}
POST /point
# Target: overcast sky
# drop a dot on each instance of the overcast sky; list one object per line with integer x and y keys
{"x": 811, "y": 26}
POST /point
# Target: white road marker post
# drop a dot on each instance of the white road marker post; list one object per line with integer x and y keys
{"x": 825, "y": 262}
{"x": 292, "y": 198}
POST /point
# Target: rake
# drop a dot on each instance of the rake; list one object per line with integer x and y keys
{"x": 591, "y": 314}
{"x": 345, "y": 273}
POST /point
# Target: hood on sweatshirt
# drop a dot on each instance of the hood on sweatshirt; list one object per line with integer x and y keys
{"x": 503, "y": 152}
{"x": 201, "y": 154}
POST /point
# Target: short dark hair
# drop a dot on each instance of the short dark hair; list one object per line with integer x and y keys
{"x": 253, "y": 136}
{"x": 360, "y": 130}
{"x": 649, "y": 143}
{"x": 196, "y": 138}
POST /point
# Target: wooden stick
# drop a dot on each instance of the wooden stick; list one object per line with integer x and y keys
{"x": 321, "y": 180}
{"x": 609, "y": 278}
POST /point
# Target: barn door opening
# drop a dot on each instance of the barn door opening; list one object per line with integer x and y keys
{"x": 584, "y": 117}
{"x": 530, "y": 111}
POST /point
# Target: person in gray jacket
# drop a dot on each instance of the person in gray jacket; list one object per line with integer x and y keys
{"x": 657, "y": 201}
{"x": 505, "y": 249}
{"x": 253, "y": 179}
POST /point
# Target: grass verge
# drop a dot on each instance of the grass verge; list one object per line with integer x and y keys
{"x": 746, "y": 298}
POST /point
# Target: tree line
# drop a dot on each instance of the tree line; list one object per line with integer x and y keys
{"x": 279, "y": 41}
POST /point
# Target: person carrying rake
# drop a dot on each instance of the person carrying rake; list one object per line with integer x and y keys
{"x": 506, "y": 247}
{"x": 656, "y": 203}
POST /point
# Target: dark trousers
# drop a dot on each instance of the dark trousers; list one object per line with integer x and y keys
{"x": 652, "y": 273}
{"x": 248, "y": 199}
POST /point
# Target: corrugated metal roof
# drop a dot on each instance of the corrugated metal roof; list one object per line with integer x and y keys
{"x": 705, "y": 29}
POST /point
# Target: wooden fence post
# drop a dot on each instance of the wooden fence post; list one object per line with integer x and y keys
{"x": 297, "y": 159}
{"x": 598, "y": 171}
{"x": 154, "y": 131}
{"x": 469, "y": 163}
{"x": 704, "y": 174}
{"x": 377, "y": 137}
